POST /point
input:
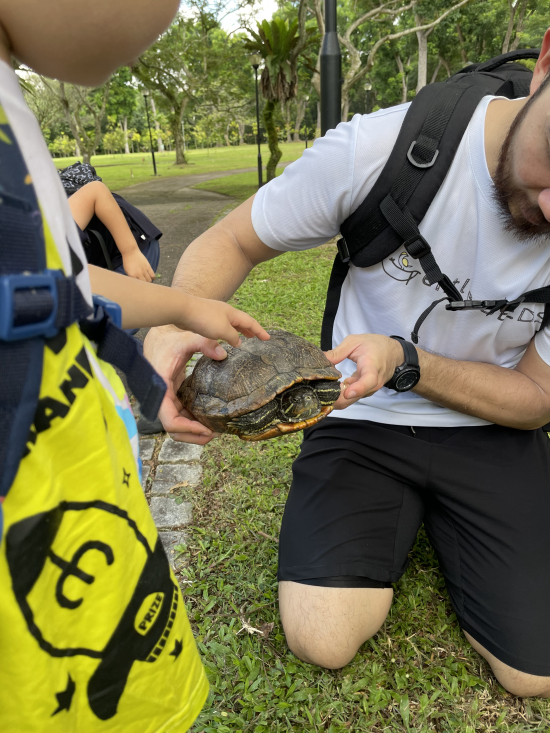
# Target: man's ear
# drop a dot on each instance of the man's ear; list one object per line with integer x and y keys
{"x": 542, "y": 67}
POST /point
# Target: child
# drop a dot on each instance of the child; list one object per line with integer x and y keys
{"x": 93, "y": 632}
{"x": 95, "y": 199}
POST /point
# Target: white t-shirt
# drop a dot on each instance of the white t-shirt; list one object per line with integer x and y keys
{"x": 46, "y": 181}
{"x": 306, "y": 205}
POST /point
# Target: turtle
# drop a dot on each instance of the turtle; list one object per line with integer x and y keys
{"x": 263, "y": 389}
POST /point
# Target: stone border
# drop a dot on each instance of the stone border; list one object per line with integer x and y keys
{"x": 169, "y": 465}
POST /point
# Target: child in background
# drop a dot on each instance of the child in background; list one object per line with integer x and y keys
{"x": 93, "y": 631}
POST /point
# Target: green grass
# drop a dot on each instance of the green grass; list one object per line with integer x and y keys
{"x": 240, "y": 185}
{"x": 117, "y": 170}
{"x": 417, "y": 674}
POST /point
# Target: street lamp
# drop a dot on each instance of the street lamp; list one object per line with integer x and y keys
{"x": 368, "y": 87}
{"x": 146, "y": 94}
{"x": 256, "y": 60}
{"x": 331, "y": 71}
{"x": 305, "y": 127}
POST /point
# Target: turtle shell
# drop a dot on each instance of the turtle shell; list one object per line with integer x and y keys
{"x": 250, "y": 377}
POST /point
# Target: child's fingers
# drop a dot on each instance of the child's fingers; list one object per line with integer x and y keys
{"x": 232, "y": 337}
{"x": 249, "y": 326}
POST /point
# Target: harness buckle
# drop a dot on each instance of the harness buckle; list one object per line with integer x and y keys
{"x": 420, "y": 165}
{"x": 417, "y": 246}
{"x": 468, "y": 305}
{"x": 343, "y": 250}
{"x": 29, "y": 305}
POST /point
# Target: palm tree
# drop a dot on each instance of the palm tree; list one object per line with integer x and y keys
{"x": 279, "y": 44}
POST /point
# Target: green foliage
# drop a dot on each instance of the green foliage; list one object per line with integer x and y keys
{"x": 274, "y": 42}
{"x": 63, "y": 146}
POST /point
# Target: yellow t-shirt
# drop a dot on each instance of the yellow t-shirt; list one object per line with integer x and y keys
{"x": 93, "y": 630}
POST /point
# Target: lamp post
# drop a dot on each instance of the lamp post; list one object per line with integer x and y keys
{"x": 146, "y": 94}
{"x": 305, "y": 127}
{"x": 331, "y": 72}
{"x": 368, "y": 87}
{"x": 256, "y": 60}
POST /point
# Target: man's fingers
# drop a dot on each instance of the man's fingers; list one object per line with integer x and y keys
{"x": 366, "y": 384}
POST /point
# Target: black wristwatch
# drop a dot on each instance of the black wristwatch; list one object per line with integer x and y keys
{"x": 407, "y": 375}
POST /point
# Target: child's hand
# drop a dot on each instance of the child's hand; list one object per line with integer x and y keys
{"x": 136, "y": 265}
{"x": 217, "y": 320}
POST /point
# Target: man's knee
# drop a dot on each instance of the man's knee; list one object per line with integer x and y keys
{"x": 515, "y": 682}
{"x": 326, "y": 626}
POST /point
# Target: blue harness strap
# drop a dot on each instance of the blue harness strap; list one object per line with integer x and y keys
{"x": 35, "y": 304}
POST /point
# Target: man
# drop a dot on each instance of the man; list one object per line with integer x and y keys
{"x": 463, "y": 451}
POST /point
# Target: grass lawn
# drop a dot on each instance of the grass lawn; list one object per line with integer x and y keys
{"x": 240, "y": 185}
{"x": 418, "y": 673}
{"x": 119, "y": 171}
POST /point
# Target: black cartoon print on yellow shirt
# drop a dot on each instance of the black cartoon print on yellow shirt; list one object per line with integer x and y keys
{"x": 43, "y": 563}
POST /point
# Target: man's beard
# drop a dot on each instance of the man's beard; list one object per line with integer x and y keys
{"x": 528, "y": 223}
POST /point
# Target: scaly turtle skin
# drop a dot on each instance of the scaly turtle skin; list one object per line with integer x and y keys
{"x": 263, "y": 389}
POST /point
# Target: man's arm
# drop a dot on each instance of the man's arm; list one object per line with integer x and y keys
{"x": 518, "y": 398}
{"x": 217, "y": 262}
{"x": 213, "y": 266}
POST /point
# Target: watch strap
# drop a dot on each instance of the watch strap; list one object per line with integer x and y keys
{"x": 409, "y": 350}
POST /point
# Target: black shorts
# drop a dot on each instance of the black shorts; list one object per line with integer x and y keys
{"x": 362, "y": 490}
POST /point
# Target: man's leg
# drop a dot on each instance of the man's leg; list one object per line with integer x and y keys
{"x": 350, "y": 520}
{"x": 487, "y": 517}
{"x": 516, "y": 682}
{"x": 326, "y": 626}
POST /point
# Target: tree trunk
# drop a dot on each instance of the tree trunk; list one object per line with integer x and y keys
{"x": 404, "y": 78}
{"x": 285, "y": 108}
{"x": 240, "y": 127}
{"x": 226, "y": 136}
{"x": 519, "y": 26}
{"x": 462, "y": 44}
{"x": 436, "y": 72}
{"x": 160, "y": 144}
{"x": 345, "y": 105}
{"x": 175, "y": 125}
{"x": 125, "y": 128}
{"x": 272, "y": 140}
{"x": 513, "y": 8}
{"x": 422, "y": 37}
{"x": 318, "y": 126}
{"x": 77, "y": 146}
{"x": 301, "y": 105}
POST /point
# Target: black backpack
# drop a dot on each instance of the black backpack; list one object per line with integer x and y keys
{"x": 389, "y": 216}
{"x": 77, "y": 175}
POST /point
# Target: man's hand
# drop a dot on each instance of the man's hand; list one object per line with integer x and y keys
{"x": 376, "y": 357}
{"x": 137, "y": 265}
{"x": 169, "y": 350}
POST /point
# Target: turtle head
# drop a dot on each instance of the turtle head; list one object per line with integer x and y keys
{"x": 299, "y": 403}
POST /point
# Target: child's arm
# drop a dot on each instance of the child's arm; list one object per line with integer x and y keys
{"x": 95, "y": 198}
{"x": 144, "y": 304}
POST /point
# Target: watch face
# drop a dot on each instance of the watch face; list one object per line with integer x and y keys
{"x": 407, "y": 380}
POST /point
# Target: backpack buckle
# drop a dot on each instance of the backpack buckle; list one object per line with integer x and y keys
{"x": 29, "y": 305}
{"x": 417, "y": 246}
{"x": 343, "y": 250}
{"x": 420, "y": 165}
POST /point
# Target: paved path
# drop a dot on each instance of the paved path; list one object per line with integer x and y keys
{"x": 172, "y": 471}
{"x": 179, "y": 211}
